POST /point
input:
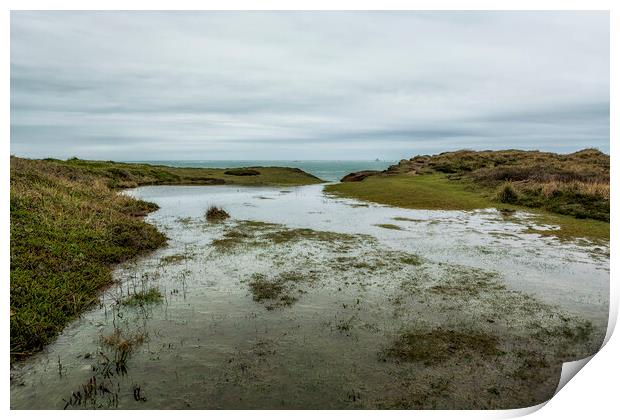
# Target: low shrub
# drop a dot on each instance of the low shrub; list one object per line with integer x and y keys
{"x": 242, "y": 172}
{"x": 216, "y": 214}
{"x": 507, "y": 194}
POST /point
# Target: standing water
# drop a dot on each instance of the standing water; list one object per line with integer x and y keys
{"x": 303, "y": 300}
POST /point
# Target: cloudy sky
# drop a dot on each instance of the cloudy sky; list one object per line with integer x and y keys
{"x": 306, "y": 85}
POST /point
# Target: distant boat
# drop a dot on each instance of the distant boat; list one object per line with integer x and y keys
{"x": 377, "y": 160}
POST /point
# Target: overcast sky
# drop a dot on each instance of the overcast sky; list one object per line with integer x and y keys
{"x": 306, "y": 85}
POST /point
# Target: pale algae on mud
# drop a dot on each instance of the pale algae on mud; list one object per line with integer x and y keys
{"x": 303, "y": 301}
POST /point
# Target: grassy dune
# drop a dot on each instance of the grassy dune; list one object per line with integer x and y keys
{"x": 571, "y": 190}
{"x": 128, "y": 175}
{"x": 69, "y": 226}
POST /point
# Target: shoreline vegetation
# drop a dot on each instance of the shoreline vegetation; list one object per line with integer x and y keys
{"x": 70, "y": 226}
{"x": 568, "y": 190}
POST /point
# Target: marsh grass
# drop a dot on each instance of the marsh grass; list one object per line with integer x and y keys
{"x": 408, "y": 219}
{"x": 410, "y": 259}
{"x": 280, "y": 290}
{"x": 249, "y": 233}
{"x": 435, "y": 345}
{"x": 286, "y": 235}
{"x": 243, "y": 233}
{"x": 123, "y": 345}
{"x": 146, "y": 297}
{"x": 389, "y": 226}
{"x": 173, "y": 259}
{"x": 216, "y": 214}
{"x": 375, "y": 261}
{"x": 102, "y": 388}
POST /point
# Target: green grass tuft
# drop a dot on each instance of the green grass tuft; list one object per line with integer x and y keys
{"x": 147, "y": 297}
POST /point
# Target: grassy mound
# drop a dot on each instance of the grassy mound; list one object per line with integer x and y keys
{"x": 575, "y": 184}
{"x": 67, "y": 230}
{"x": 128, "y": 175}
{"x": 216, "y": 214}
{"x": 565, "y": 186}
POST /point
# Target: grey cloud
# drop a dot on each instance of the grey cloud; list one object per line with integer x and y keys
{"x": 313, "y": 85}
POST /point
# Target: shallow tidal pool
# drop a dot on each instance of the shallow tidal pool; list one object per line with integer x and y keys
{"x": 303, "y": 300}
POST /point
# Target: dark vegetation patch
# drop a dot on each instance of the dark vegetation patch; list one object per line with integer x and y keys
{"x": 377, "y": 261}
{"x": 507, "y": 194}
{"x": 285, "y": 235}
{"x": 389, "y": 226}
{"x": 242, "y": 172}
{"x": 513, "y": 343}
{"x": 172, "y": 259}
{"x": 408, "y": 219}
{"x": 145, "y": 297}
{"x": 186, "y": 221}
{"x": 244, "y": 233}
{"x": 578, "y": 332}
{"x": 216, "y": 214}
{"x": 458, "y": 283}
{"x": 533, "y": 366}
{"x": 431, "y": 346}
{"x": 410, "y": 259}
{"x": 254, "y": 233}
{"x": 280, "y": 290}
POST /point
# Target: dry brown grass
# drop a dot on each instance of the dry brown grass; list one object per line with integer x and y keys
{"x": 216, "y": 214}
{"x": 575, "y": 184}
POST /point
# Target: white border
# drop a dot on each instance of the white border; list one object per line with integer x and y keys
{"x": 592, "y": 394}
